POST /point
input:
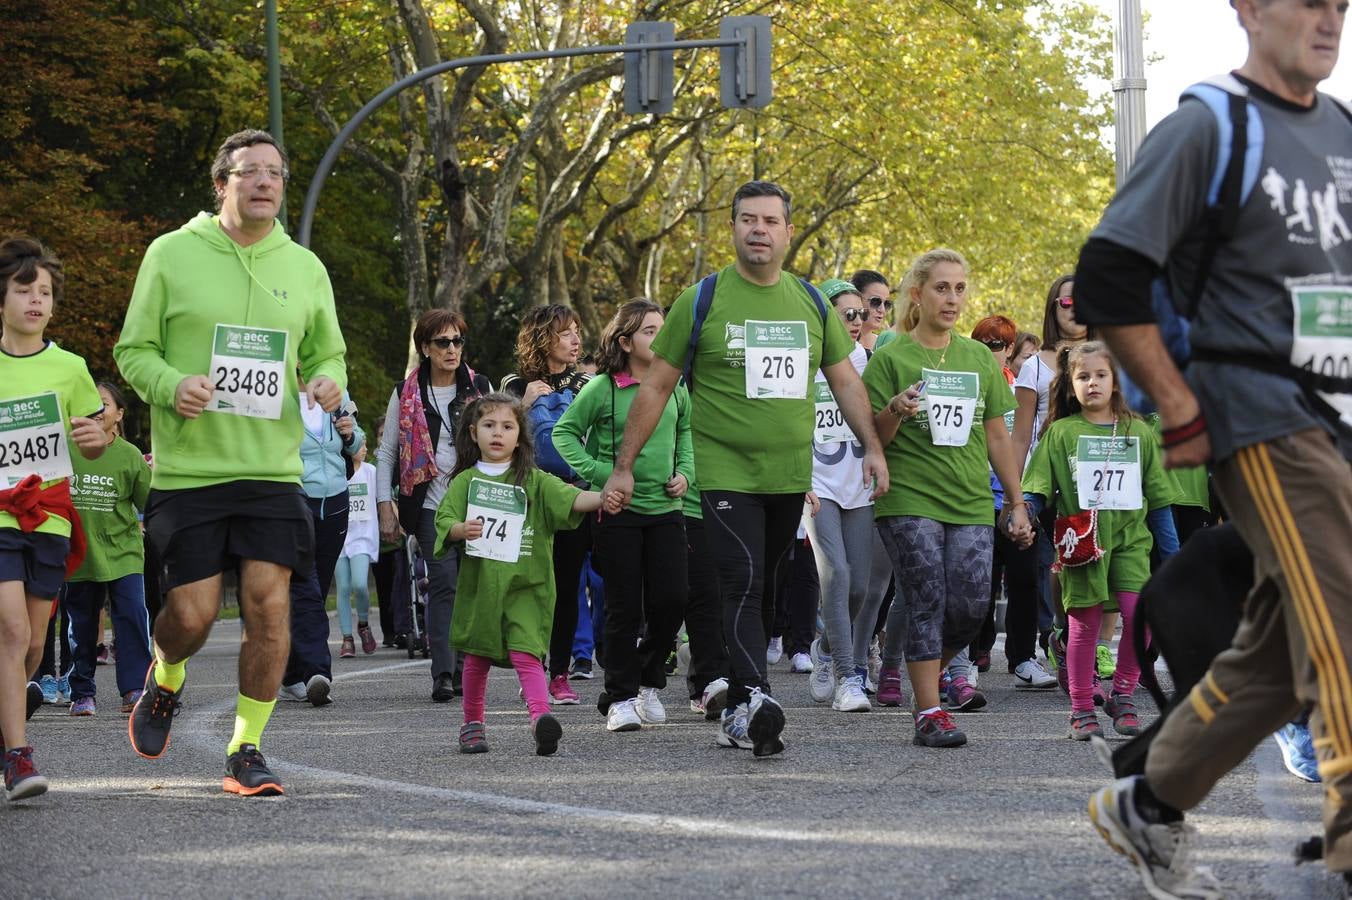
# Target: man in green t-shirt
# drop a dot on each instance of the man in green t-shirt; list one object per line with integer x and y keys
{"x": 754, "y": 358}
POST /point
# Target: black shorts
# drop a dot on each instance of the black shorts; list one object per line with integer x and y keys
{"x": 36, "y": 559}
{"x": 200, "y": 532}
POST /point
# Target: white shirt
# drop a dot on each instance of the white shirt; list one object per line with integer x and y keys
{"x": 838, "y": 469}
{"x": 364, "y": 537}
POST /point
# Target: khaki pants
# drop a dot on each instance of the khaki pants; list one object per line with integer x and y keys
{"x": 1291, "y": 500}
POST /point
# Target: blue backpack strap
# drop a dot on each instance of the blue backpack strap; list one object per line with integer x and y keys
{"x": 817, "y": 298}
{"x": 703, "y": 300}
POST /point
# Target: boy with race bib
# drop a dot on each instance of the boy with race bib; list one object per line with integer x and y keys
{"x": 47, "y": 405}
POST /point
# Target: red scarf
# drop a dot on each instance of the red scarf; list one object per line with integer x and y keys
{"x": 31, "y": 504}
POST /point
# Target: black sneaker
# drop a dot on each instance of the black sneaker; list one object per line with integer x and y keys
{"x": 317, "y": 690}
{"x": 546, "y": 730}
{"x": 34, "y": 698}
{"x": 152, "y": 717}
{"x": 582, "y": 669}
{"x": 247, "y": 774}
{"x": 443, "y": 688}
{"x": 765, "y": 724}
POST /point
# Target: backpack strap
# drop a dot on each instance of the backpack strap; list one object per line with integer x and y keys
{"x": 703, "y": 300}
{"x": 816, "y": 296}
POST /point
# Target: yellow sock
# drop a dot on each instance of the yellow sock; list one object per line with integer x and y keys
{"x": 250, "y": 718}
{"x": 169, "y": 676}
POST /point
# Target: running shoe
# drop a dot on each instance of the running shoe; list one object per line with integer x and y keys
{"x": 561, "y": 693}
{"x": 800, "y": 664}
{"x": 443, "y": 688}
{"x": 1161, "y": 853}
{"x": 472, "y": 738}
{"x": 1084, "y": 725}
{"x": 1029, "y": 674}
{"x": 765, "y": 724}
{"x": 697, "y": 705}
{"x": 623, "y": 716}
{"x": 821, "y": 684}
{"x": 50, "y": 694}
{"x": 889, "y": 687}
{"x": 1104, "y": 662}
{"x": 1298, "y": 751}
{"x": 937, "y": 729}
{"x": 546, "y": 731}
{"x": 945, "y": 682}
{"x": 875, "y": 659}
{"x": 850, "y": 696}
{"x": 368, "y": 640}
{"x": 582, "y": 669}
{"x": 649, "y": 706}
{"x": 152, "y": 717}
{"x": 82, "y": 707}
{"x": 1122, "y": 711}
{"x": 349, "y": 648}
{"x": 63, "y": 689}
{"x": 962, "y": 697}
{"x": 317, "y": 690}
{"x": 129, "y": 701}
{"x": 294, "y": 692}
{"x": 247, "y": 774}
{"x": 33, "y": 698}
{"x": 1100, "y": 695}
{"x": 774, "y": 651}
{"x": 101, "y": 659}
{"x": 732, "y": 728}
{"x": 715, "y": 697}
{"x": 982, "y": 661}
{"x": 21, "y": 776}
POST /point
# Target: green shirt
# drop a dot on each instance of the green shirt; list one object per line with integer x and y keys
{"x": 884, "y": 338}
{"x": 944, "y": 483}
{"x": 759, "y": 446}
{"x": 1123, "y": 534}
{"x": 50, "y": 370}
{"x": 1193, "y": 483}
{"x": 108, "y": 491}
{"x": 597, "y": 416}
{"x": 508, "y": 606}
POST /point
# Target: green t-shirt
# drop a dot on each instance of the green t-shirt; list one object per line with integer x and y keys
{"x": 23, "y": 379}
{"x": 884, "y": 338}
{"x": 949, "y": 484}
{"x": 757, "y": 446}
{"x": 508, "y": 606}
{"x": 1123, "y": 534}
{"x": 108, "y": 491}
{"x": 1193, "y": 483}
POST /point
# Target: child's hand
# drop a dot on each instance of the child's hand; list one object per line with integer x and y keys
{"x": 677, "y": 486}
{"x": 813, "y": 504}
{"x": 474, "y": 529}
{"x": 613, "y": 502}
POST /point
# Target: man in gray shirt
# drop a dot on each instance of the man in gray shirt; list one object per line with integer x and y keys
{"x": 1275, "y": 312}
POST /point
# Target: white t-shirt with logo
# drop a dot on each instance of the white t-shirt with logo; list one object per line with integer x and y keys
{"x": 363, "y": 534}
{"x": 838, "y": 467}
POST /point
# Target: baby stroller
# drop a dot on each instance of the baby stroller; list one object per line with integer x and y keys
{"x": 417, "y": 593}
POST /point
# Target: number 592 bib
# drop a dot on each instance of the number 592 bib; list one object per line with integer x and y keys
{"x": 502, "y": 509}
{"x": 776, "y": 360}
{"x": 32, "y": 440}
{"x": 248, "y": 369}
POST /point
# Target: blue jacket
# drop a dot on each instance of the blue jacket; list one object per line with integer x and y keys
{"x": 325, "y": 469}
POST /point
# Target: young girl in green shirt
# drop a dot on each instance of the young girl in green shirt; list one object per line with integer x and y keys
{"x": 505, "y": 512}
{"x": 1095, "y": 453}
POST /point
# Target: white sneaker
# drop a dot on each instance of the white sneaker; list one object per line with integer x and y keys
{"x": 732, "y": 729}
{"x": 714, "y": 699}
{"x": 850, "y": 696}
{"x": 294, "y": 692}
{"x": 1030, "y": 674}
{"x": 775, "y": 651}
{"x": 649, "y": 706}
{"x": 623, "y": 716}
{"x": 800, "y": 664}
{"x": 875, "y": 659}
{"x": 822, "y": 683}
{"x": 1162, "y": 854}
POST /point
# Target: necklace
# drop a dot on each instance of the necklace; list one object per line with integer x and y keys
{"x": 943, "y": 355}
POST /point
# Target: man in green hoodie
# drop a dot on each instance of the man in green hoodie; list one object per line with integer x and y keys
{"x": 224, "y": 311}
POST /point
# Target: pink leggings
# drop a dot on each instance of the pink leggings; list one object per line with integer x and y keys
{"x": 529, "y": 671}
{"x": 1080, "y": 649}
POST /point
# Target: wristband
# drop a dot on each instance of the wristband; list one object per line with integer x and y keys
{"x": 1172, "y": 437}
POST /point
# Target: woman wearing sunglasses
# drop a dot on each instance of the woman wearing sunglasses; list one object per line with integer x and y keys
{"x": 876, "y": 294}
{"x": 414, "y": 463}
{"x": 1035, "y": 375}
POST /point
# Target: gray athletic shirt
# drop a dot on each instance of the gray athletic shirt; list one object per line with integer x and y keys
{"x": 1292, "y": 245}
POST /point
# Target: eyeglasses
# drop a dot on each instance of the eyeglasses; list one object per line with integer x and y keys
{"x": 880, "y": 303}
{"x": 445, "y": 343}
{"x": 1065, "y": 302}
{"x": 854, "y": 315}
{"x": 250, "y": 173}
{"x": 995, "y": 345}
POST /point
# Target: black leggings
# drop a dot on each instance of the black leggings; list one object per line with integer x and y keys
{"x": 747, "y": 534}
{"x": 570, "y": 548}
{"x": 703, "y": 612}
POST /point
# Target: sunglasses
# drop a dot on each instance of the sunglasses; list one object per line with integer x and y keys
{"x": 1065, "y": 302}
{"x": 879, "y": 303}
{"x": 995, "y": 345}
{"x": 445, "y": 343}
{"x": 854, "y": 315}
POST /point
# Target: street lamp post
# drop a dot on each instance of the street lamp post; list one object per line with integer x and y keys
{"x": 1129, "y": 84}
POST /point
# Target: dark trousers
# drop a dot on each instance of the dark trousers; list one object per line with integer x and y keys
{"x": 51, "y": 643}
{"x": 797, "y": 594}
{"x": 747, "y": 535}
{"x": 570, "y": 547}
{"x": 309, "y": 619}
{"x": 442, "y": 572}
{"x": 383, "y": 568}
{"x": 83, "y": 601}
{"x": 154, "y": 593}
{"x": 644, "y": 570}
{"x": 703, "y": 612}
{"x": 1021, "y": 612}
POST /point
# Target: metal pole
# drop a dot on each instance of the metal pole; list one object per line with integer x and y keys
{"x": 331, "y": 155}
{"x": 1129, "y": 84}
{"x": 274, "y": 83}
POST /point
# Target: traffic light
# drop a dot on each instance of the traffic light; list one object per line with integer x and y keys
{"x": 744, "y": 76}
{"x": 649, "y": 75}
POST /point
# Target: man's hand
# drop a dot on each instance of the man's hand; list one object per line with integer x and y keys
{"x": 1193, "y": 452}
{"x": 677, "y": 486}
{"x": 875, "y": 473}
{"x": 324, "y": 391}
{"x": 390, "y": 532}
{"x": 192, "y": 395}
{"x": 620, "y": 482}
{"x": 87, "y": 434}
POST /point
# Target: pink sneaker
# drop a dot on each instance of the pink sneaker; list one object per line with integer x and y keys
{"x": 348, "y": 650}
{"x": 963, "y": 697}
{"x": 560, "y": 692}
{"x": 368, "y": 640}
{"x": 889, "y": 687}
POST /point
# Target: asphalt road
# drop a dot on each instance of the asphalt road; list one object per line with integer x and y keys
{"x": 379, "y": 803}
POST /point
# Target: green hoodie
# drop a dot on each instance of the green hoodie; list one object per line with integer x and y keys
{"x": 191, "y": 281}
